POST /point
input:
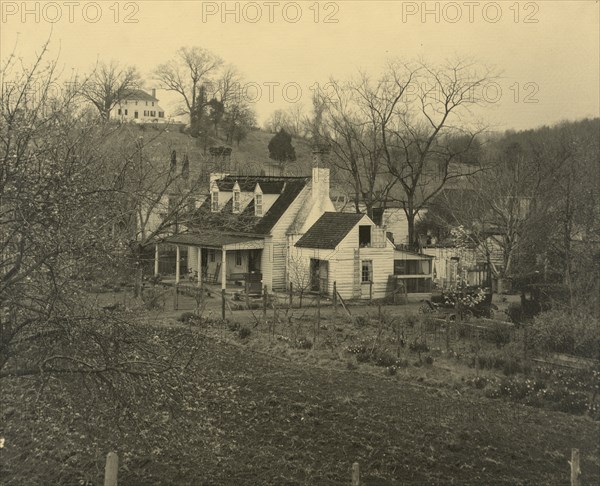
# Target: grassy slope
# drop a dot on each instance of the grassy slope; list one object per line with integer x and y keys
{"x": 251, "y": 156}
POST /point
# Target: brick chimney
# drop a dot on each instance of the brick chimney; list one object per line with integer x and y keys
{"x": 154, "y": 92}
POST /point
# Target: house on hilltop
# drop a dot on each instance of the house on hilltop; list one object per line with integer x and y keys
{"x": 139, "y": 107}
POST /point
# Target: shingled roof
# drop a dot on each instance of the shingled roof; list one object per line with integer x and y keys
{"x": 329, "y": 230}
{"x": 288, "y": 189}
{"x": 138, "y": 94}
{"x": 268, "y": 185}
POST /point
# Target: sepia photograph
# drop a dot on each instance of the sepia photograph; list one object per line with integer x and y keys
{"x": 346, "y": 243}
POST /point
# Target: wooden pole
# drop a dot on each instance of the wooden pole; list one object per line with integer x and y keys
{"x": 223, "y": 304}
{"x": 334, "y": 300}
{"x": 291, "y": 294}
{"x": 371, "y": 290}
{"x": 575, "y": 469}
{"x": 111, "y": 469}
{"x": 155, "y": 260}
{"x": 355, "y": 474}
{"x": 318, "y": 328}
{"x": 265, "y": 302}
{"x": 223, "y": 269}
{"x": 177, "y": 258}
{"x": 199, "y": 267}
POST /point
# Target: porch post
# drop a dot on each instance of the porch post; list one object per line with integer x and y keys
{"x": 223, "y": 268}
{"x": 199, "y": 267}
{"x": 177, "y": 258}
{"x": 156, "y": 260}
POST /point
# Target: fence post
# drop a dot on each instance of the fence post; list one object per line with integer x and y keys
{"x": 111, "y": 469}
{"x": 318, "y": 328}
{"x": 334, "y": 300}
{"x": 265, "y": 296}
{"x": 370, "y": 290}
{"x": 291, "y": 294}
{"x": 176, "y": 297}
{"x": 575, "y": 469}
{"x": 355, "y": 474}
{"x": 223, "y": 304}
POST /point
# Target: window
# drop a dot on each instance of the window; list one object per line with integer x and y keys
{"x": 145, "y": 113}
{"x": 412, "y": 267}
{"x": 367, "y": 271}
{"x": 236, "y": 201}
{"x": 126, "y": 112}
{"x": 364, "y": 236}
{"x": 238, "y": 258}
{"x": 146, "y": 103}
{"x": 214, "y": 201}
{"x": 119, "y": 111}
{"x": 153, "y": 103}
{"x": 161, "y": 114}
{"x": 258, "y": 205}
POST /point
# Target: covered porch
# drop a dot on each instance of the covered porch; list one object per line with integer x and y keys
{"x": 229, "y": 261}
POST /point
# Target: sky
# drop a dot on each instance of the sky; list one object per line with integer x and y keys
{"x": 548, "y": 52}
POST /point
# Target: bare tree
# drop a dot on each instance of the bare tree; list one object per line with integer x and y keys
{"x": 57, "y": 207}
{"x": 108, "y": 84}
{"x": 186, "y": 74}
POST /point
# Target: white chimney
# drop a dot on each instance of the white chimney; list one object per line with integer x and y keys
{"x": 320, "y": 183}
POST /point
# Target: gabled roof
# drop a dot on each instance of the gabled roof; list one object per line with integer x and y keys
{"x": 329, "y": 230}
{"x": 138, "y": 94}
{"x": 246, "y": 221}
{"x": 268, "y": 185}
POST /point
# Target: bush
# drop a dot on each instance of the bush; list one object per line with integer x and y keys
{"x": 304, "y": 343}
{"x": 429, "y": 360}
{"x": 153, "y": 299}
{"x": 561, "y": 332}
{"x": 188, "y": 318}
{"x": 499, "y": 334}
{"x": 418, "y": 346}
{"x": 361, "y": 321}
{"x": 244, "y": 332}
{"x": 383, "y": 358}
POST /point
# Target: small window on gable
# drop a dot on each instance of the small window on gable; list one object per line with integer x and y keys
{"x": 214, "y": 201}
{"x": 236, "y": 201}
{"x": 364, "y": 236}
{"x": 258, "y": 204}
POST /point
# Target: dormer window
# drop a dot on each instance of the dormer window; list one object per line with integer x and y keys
{"x": 214, "y": 201}
{"x": 236, "y": 201}
{"x": 258, "y": 204}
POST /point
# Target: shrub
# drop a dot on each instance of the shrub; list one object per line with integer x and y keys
{"x": 499, "y": 334}
{"x": 383, "y": 358}
{"x": 515, "y": 312}
{"x": 188, "y": 318}
{"x": 429, "y": 360}
{"x": 559, "y": 331}
{"x": 233, "y": 326}
{"x": 153, "y": 299}
{"x": 304, "y": 343}
{"x": 244, "y": 332}
{"x": 418, "y": 346}
{"x": 361, "y": 321}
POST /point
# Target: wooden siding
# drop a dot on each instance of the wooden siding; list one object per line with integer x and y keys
{"x": 279, "y": 236}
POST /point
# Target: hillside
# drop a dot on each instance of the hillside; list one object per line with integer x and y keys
{"x": 251, "y": 157}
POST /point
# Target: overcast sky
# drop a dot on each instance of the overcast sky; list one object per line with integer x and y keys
{"x": 548, "y": 51}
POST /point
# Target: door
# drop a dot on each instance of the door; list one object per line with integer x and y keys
{"x": 319, "y": 275}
